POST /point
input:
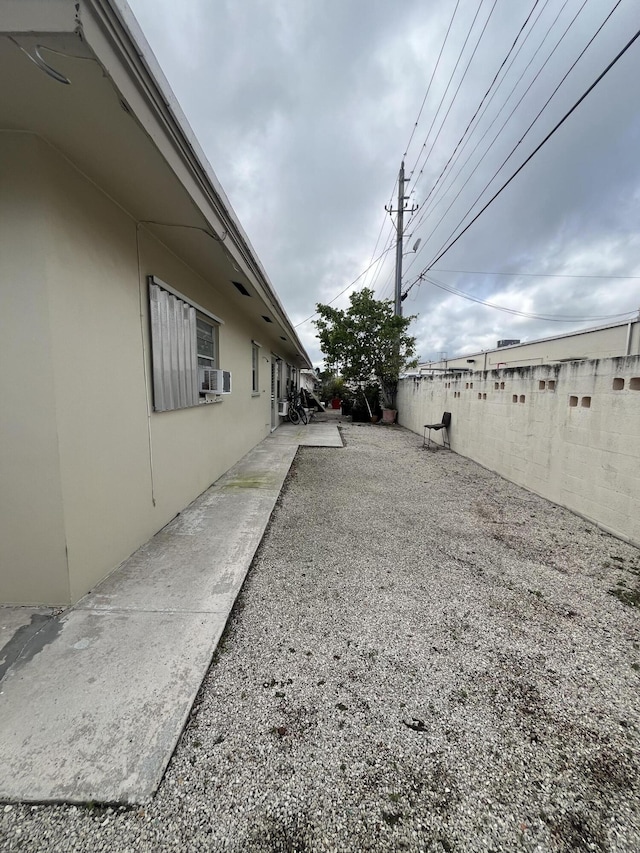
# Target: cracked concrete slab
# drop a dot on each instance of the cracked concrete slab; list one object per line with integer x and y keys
{"x": 93, "y": 702}
{"x": 113, "y": 693}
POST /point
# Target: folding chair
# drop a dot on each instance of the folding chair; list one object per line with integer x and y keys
{"x": 444, "y": 424}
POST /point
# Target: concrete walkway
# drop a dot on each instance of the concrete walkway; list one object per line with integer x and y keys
{"x": 93, "y": 703}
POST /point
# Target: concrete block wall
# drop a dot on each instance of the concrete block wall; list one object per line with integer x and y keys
{"x": 568, "y": 431}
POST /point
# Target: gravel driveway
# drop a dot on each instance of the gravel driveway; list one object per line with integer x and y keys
{"x": 424, "y": 657}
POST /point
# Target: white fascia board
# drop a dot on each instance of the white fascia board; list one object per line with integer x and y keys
{"x": 111, "y": 29}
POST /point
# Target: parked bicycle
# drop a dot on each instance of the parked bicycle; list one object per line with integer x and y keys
{"x": 295, "y": 410}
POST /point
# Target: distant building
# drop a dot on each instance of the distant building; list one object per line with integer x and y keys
{"x": 610, "y": 341}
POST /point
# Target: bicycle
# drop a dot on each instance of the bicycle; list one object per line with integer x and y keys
{"x": 295, "y": 410}
{"x": 308, "y": 404}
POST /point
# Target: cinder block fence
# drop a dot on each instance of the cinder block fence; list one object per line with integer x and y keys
{"x": 567, "y": 431}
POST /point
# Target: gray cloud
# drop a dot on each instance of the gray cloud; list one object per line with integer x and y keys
{"x": 304, "y": 110}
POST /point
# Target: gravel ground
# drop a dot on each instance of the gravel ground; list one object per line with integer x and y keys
{"x": 424, "y": 657}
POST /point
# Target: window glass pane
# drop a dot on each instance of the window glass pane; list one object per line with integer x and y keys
{"x": 205, "y": 339}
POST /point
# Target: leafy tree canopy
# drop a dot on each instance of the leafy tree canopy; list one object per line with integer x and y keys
{"x": 367, "y": 340}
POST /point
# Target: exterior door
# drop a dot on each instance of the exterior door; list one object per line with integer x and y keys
{"x": 274, "y": 394}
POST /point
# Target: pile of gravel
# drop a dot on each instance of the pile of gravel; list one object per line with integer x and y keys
{"x": 424, "y": 657}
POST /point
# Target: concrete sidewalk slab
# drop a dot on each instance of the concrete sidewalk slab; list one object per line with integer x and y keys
{"x": 319, "y": 434}
{"x": 96, "y": 714}
{"x": 93, "y": 703}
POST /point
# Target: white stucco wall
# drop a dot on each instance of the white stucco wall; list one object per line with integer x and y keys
{"x": 90, "y": 471}
{"x": 584, "y": 458}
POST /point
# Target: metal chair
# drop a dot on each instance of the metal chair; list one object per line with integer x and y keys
{"x": 444, "y": 425}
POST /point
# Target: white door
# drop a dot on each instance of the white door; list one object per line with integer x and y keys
{"x": 274, "y": 396}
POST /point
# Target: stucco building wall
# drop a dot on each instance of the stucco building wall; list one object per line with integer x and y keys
{"x": 611, "y": 341}
{"x": 93, "y": 470}
{"x": 570, "y": 432}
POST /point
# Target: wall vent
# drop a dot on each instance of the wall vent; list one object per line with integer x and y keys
{"x": 240, "y": 286}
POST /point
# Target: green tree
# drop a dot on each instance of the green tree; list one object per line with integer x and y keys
{"x": 367, "y": 341}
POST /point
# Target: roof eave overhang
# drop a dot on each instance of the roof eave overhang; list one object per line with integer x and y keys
{"x": 115, "y": 36}
{"x": 111, "y": 33}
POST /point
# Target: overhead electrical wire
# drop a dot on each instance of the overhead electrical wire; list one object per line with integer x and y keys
{"x": 357, "y": 279}
{"x": 375, "y": 248}
{"x": 538, "y": 274}
{"x": 415, "y": 126}
{"x": 433, "y": 74}
{"x": 455, "y": 94}
{"x": 424, "y": 144}
{"x": 449, "y": 243}
{"x": 505, "y": 161}
{"x": 389, "y": 281}
{"x": 488, "y": 91}
{"x": 444, "y": 95}
{"x": 387, "y": 249}
{"x": 426, "y": 209}
{"x": 387, "y": 288}
{"x": 556, "y": 318}
{"x": 391, "y": 243}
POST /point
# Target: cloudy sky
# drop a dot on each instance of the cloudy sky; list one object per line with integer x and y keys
{"x": 306, "y": 108}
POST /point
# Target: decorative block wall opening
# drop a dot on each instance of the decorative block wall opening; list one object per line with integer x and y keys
{"x": 542, "y": 385}
{"x": 573, "y": 402}
{"x": 634, "y": 383}
{"x": 515, "y": 398}
{"x": 551, "y": 385}
{"x": 586, "y": 402}
{"x": 618, "y": 384}
{"x": 502, "y": 386}
{"x": 522, "y": 398}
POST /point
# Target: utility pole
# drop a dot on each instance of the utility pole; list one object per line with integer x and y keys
{"x": 402, "y": 206}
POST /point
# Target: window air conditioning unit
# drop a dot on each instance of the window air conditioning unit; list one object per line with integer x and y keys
{"x": 213, "y": 381}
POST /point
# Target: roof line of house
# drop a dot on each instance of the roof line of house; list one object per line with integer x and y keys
{"x": 117, "y": 18}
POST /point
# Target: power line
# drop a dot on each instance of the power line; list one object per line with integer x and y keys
{"x": 535, "y": 150}
{"x": 375, "y": 248}
{"x": 424, "y": 100}
{"x": 529, "y": 315}
{"x": 388, "y": 243}
{"x": 538, "y": 274}
{"x": 426, "y": 209}
{"x": 424, "y": 144}
{"x": 455, "y": 94}
{"x": 337, "y": 296}
{"x": 485, "y": 96}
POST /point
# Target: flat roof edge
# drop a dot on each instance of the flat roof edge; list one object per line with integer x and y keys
{"x": 534, "y": 341}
